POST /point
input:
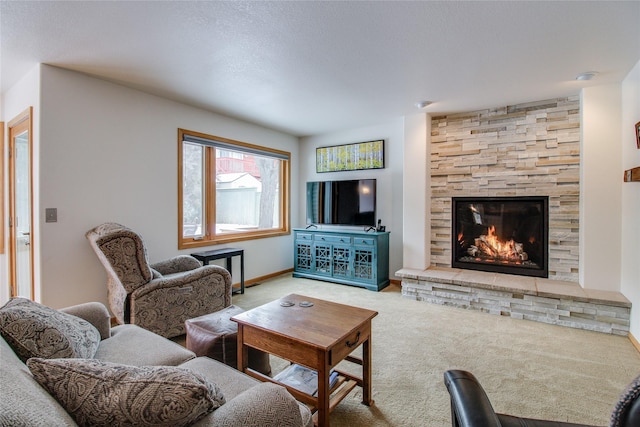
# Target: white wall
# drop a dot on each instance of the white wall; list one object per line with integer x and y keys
{"x": 600, "y": 188}
{"x": 630, "y": 218}
{"x": 109, "y": 153}
{"x": 24, "y": 94}
{"x": 417, "y": 193}
{"x": 389, "y": 195}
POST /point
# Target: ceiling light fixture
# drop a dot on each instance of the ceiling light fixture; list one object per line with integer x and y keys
{"x": 587, "y": 75}
{"x": 423, "y": 104}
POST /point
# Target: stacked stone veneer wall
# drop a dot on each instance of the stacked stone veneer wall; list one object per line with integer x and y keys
{"x": 608, "y": 312}
{"x": 528, "y": 149}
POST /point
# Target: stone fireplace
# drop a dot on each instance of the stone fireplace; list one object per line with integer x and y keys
{"x": 501, "y": 234}
{"x": 522, "y": 150}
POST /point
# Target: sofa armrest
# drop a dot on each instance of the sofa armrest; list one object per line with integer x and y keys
{"x": 95, "y": 313}
{"x": 470, "y": 406}
{"x": 176, "y": 264}
{"x": 263, "y": 405}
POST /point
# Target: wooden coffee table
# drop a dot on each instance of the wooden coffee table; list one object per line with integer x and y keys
{"x": 319, "y": 337}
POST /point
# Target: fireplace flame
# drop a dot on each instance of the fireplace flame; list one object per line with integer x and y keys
{"x": 489, "y": 246}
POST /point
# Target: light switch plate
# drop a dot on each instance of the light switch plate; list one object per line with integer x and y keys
{"x": 51, "y": 215}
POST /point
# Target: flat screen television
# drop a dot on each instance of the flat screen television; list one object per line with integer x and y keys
{"x": 348, "y": 202}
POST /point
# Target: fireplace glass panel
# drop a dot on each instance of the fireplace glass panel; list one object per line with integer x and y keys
{"x": 501, "y": 234}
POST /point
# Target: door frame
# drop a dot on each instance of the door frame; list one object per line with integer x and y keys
{"x": 22, "y": 122}
{"x": 3, "y": 225}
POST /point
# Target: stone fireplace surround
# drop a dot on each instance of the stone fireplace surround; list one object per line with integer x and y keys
{"x": 528, "y": 149}
{"x": 522, "y": 150}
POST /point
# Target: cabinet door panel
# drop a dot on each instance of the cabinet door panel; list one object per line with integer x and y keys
{"x": 304, "y": 259}
{"x": 363, "y": 264}
{"x": 341, "y": 261}
{"x": 322, "y": 259}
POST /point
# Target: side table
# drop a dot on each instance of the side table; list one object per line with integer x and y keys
{"x": 228, "y": 254}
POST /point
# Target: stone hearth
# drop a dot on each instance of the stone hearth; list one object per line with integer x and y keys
{"x": 541, "y": 300}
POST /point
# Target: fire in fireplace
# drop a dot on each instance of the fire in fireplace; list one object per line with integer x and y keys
{"x": 501, "y": 234}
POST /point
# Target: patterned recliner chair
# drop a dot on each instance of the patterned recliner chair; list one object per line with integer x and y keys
{"x": 158, "y": 297}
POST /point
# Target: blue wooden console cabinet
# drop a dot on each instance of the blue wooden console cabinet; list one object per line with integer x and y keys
{"x": 354, "y": 258}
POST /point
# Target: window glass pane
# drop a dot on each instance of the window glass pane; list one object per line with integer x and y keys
{"x": 231, "y": 190}
{"x": 247, "y": 192}
{"x": 192, "y": 190}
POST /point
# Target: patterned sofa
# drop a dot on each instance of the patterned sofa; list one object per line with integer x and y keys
{"x": 70, "y": 367}
{"x": 158, "y": 297}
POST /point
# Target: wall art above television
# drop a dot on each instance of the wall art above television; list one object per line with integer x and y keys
{"x": 350, "y": 157}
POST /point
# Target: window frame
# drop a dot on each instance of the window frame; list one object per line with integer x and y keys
{"x": 210, "y": 238}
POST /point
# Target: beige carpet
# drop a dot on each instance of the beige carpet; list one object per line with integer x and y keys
{"x": 527, "y": 368}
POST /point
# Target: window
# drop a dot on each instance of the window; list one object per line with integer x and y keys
{"x": 230, "y": 190}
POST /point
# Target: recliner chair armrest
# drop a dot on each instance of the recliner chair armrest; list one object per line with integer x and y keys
{"x": 183, "y": 279}
{"x": 470, "y": 406}
{"x": 511, "y": 421}
{"x": 176, "y": 264}
{"x": 95, "y": 313}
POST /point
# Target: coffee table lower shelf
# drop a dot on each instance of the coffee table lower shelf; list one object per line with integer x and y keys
{"x": 345, "y": 383}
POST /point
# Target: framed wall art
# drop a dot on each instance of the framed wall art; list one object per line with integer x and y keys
{"x": 350, "y": 157}
{"x": 638, "y": 135}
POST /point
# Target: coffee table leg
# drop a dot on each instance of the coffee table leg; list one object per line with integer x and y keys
{"x": 243, "y": 350}
{"x": 366, "y": 372}
{"x": 323, "y": 390}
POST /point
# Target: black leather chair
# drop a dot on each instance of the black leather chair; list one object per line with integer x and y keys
{"x": 470, "y": 406}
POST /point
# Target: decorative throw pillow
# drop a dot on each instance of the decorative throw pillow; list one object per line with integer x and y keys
{"x": 626, "y": 400}
{"x": 109, "y": 394}
{"x": 35, "y": 330}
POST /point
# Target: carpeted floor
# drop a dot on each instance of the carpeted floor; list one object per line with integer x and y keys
{"x": 527, "y": 368}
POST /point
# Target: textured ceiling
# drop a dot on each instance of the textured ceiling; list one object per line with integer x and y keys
{"x": 314, "y": 67}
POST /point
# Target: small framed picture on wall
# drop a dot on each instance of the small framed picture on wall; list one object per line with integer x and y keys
{"x": 638, "y": 135}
